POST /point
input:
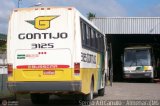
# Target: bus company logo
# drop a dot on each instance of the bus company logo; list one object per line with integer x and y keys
{"x": 42, "y": 22}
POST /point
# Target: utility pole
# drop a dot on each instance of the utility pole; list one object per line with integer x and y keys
{"x": 19, "y": 2}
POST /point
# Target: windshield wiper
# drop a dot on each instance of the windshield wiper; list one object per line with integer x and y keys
{"x": 140, "y": 61}
{"x": 132, "y": 63}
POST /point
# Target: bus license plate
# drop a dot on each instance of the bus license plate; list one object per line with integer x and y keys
{"x": 48, "y": 72}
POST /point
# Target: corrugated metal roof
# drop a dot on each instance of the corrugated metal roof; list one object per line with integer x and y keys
{"x": 128, "y": 25}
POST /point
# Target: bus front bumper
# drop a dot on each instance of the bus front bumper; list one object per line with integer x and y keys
{"x": 48, "y": 87}
{"x": 138, "y": 75}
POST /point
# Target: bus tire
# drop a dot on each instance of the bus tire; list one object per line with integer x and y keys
{"x": 101, "y": 92}
{"x": 40, "y": 98}
{"x": 34, "y": 98}
{"x": 78, "y": 98}
{"x": 89, "y": 97}
{"x": 152, "y": 80}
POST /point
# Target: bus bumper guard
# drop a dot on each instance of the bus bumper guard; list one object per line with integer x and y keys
{"x": 44, "y": 86}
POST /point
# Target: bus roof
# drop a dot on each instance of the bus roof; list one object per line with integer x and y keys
{"x": 42, "y": 8}
{"x": 138, "y": 47}
{"x": 56, "y": 7}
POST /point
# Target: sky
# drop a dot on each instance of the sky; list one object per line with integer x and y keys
{"x": 102, "y": 8}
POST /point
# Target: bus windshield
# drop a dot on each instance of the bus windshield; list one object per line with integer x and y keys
{"x": 137, "y": 57}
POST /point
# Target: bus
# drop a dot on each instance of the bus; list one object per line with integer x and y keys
{"x": 138, "y": 62}
{"x": 55, "y": 50}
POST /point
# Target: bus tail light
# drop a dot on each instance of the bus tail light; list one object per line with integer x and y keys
{"x": 76, "y": 68}
{"x": 10, "y": 69}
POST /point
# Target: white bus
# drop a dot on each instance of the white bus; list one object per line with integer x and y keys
{"x": 138, "y": 62}
{"x": 55, "y": 50}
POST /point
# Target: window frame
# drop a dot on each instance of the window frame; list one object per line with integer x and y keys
{"x": 92, "y": 39}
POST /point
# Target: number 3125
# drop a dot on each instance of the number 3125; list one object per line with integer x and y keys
{"x": 42, "y": 45}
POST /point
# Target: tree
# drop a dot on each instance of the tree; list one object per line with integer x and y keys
{"x": 3, "y": 39}
{"x": 91, "y": 15}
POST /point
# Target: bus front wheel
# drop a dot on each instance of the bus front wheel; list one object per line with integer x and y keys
{"x": 101, "y": 92}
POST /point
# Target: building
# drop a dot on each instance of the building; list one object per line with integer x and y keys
{"x": 122, "y": 31}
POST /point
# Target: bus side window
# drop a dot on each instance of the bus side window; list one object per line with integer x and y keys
{"x": 102, "y": 43}
{"x": 97, "y": 42}
{"x": 89, "y": 37}
{"x": 85, "y": 33}
{"x": 94, "y": 39}
{"x": 82, "y": 33}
